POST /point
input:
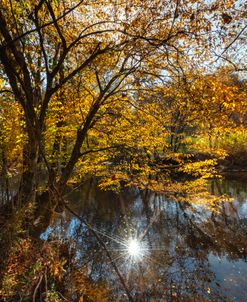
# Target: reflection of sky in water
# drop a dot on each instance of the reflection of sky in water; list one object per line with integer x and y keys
{"x": 178, "y": 252}
{"x": 59, "y": 230}
{"x": 47, "y": 233}
{"x": 230, "y": 274}
{"x": 243, "y": 209}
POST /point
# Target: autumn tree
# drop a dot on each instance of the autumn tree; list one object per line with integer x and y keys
{"x": 88, "y": 55}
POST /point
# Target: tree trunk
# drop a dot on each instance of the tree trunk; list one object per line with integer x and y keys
{"x": 28, "y": 183}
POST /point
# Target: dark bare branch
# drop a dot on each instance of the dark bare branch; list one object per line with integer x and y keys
{"x": 234, "y": 40}
{"x": 51, "y": 11}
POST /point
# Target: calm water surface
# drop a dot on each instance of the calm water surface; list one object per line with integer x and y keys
{"x": 185, "y": 253}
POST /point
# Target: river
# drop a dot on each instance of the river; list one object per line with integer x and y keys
{"x": 164, "y": 250}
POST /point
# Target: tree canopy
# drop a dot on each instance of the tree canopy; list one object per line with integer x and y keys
{"x": 112, "y": 77}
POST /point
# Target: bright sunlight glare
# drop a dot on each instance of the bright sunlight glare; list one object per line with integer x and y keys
{"x": 134, "y": 248}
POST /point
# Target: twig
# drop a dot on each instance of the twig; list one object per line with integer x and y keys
{"x": 234, "y": 40}
{"x": 46, "y": 286}
{"x": 106, "y": 250}
{"x": 62, "y": 297}
{"x": 6, "y": 91}
{"x": 36, "y": 288}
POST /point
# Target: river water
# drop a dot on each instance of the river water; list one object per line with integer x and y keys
{"x": 164, "y": 250}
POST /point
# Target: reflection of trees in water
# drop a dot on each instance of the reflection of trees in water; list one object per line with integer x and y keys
{"x": 180, "y": 238}
{"x": 177, "y": 272}
{"x": 231, "y": 185}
